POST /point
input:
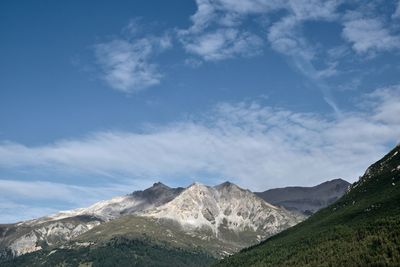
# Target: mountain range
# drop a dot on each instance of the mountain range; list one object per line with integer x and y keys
{"x": 207, "y": 222}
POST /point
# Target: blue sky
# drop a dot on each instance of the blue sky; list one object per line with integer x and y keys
{"x": 99, "y": 98}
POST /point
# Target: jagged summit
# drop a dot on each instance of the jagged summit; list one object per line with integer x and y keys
{"x": 156, "y": 186}
{"x": 225, "y": 184}
{"x": 197, "y": 184}
{"x": 224, "y": 208}
{"x": 159, "y": 185}
{"x": 229, "y": 186}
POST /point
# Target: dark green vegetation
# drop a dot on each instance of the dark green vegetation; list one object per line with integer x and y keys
{"x": 360, "y": 229}
{"x": 119, "y": 251}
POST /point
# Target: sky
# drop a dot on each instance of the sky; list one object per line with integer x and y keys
{"x": 102, "y": 98}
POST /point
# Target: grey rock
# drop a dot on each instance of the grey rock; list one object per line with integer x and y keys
{"x": 306, "y": 200}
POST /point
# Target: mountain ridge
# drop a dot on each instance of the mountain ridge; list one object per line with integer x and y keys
{"x": 229, "y": 215}
{"x": 205, "y": 218}
{"x": 306, "y": 200}
{"x": 360, "y": 229}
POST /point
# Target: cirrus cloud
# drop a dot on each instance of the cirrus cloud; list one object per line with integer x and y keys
{"x": 256, "y": 146}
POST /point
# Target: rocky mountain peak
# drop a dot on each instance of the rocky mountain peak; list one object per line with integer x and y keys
{"x": 196, "y": 185}
{"x": 159, "y": 185}
{"x": 226, "y": 183}
{"x": 223, "y": 208}
{"x": 229, "y": 187}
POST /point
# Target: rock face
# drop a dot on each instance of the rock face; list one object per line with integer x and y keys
{"x": 28, "y": 236}
{"x": 306, "y": 200}
{"x": 118, "y": 206}
{"x": 224, "y": 210}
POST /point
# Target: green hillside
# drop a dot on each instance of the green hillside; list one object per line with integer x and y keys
{"x": 118, "y": 251}
{"x": 127, "y": 241}
{"x": 361, "y": 229}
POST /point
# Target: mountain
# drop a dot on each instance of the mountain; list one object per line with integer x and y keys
{"x": 116, "y": 207}
{"x": 360, "y": 229}
{"x": 306, "y": 200}
{"x": 202, "y": 222}
{"x": 29, "y": 236}
{"x": 227, "y": 212}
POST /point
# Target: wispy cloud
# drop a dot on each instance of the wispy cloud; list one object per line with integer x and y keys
{"x": 127, "y": 64}
{"x": 224, "y": 29}
{"x": 219, "y": 31}
{"x": 223, "y": 44}
{"x": 286, "y": 36}
{"x": 256, "y": 146}
{"x": 215, "y": 32}
{"x": 24, "y": 200}
{"x": 12, "y": 211}
{"x": 369, "y": 35}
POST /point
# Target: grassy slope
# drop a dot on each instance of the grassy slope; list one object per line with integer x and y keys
{"x": 165, "y": 231}
{"x": 361, "y": 229}
{"x": 128, "y": 241}
{"x": 119, "y": 251}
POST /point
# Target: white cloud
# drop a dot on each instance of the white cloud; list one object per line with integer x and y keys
{"x": 369, "y": 35}
{"x": 127, "y": 65}
{"x": 258, "y": 147}
{"x": 223, "y": 44}
{"x": 45, "y": 190}
{"x": 314, "y": 9}
{"x": 390, "y": 112}
{"x": 213, "y": 20}
{"x": 23, "y": 200}
{"x": 215, "y": 32}
{"x": 229, "y": 12}
{"x": 285, "y": 37}
{"x": 249, "y": 6}
{"x": 12, "y": 212}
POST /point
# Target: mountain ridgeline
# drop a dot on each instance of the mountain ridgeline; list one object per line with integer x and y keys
{"x": 197, "y": 225}
{"x": 361, "y": 229}
{"x": 223, "y": 225}
{"x": 306, "y": 200}
{"x": 193, "y": 226}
